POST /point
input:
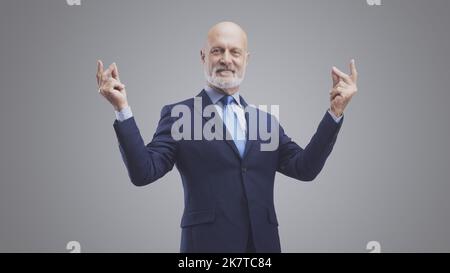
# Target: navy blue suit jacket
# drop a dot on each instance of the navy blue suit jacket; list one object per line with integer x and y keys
{"x": 226, "y": 197}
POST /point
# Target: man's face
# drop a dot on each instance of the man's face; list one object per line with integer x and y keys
{"x": 225, "y": 57}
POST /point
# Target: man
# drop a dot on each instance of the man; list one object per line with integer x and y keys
{"x": 228, "y": 183}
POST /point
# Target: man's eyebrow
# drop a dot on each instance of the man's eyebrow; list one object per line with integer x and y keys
{"x": 238, "y": 49}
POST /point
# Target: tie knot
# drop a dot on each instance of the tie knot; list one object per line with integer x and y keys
{"x": 227, "y": 99}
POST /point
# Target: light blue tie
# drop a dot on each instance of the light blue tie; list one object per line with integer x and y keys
{"x": 230, "y": 120}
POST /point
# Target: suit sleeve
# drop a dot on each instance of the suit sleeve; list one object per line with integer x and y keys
{"x": 305, "y": 164}
{"x": 147, "y": 163}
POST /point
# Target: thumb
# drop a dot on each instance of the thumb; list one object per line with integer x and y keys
{"x": 334, "y": 77}
{"x": 115, "y": 72}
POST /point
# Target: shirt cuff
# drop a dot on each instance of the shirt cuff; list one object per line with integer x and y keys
{"x": 124, "y": 114}
{"x": 336, "y": 119}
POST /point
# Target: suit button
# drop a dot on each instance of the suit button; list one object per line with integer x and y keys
{"x": 244, "y": 169}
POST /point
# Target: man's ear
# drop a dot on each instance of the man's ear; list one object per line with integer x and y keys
{"x": 248, "y": 57}
{"x": 202, "y": 55}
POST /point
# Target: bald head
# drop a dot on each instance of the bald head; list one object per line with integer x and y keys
{"x": 225, "y": 56}
{"x": 229, "y": 30}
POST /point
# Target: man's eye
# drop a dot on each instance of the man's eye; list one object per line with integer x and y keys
{"x": 215, "y": 51}
{"x": 236, "y": 53}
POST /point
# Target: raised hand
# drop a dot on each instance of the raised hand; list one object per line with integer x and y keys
{"x": 110, "y": 87}
{"x": 344, "y": 87}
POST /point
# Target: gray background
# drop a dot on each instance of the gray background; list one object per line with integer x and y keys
{"x": 61, "y": 174}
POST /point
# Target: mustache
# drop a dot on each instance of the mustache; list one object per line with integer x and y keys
{"x": 222, "y": 68}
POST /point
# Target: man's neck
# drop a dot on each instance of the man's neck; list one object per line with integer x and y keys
{"x": 226, "y": 91}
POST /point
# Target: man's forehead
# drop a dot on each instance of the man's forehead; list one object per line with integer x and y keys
{"x": 230, "y": 41}
{"x": 228, "y": 35}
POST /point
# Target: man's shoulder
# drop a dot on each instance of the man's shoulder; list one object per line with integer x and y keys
{"x": 265, "y": 112}
{"x": 189, "y": 102}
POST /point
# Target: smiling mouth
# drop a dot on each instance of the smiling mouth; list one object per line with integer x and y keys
{"x": 224, "y": 70}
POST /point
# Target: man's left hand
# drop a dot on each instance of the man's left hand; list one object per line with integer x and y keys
{"x": 344, "y": 87}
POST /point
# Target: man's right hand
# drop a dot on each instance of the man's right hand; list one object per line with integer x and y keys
{"x": 110, "y": 87}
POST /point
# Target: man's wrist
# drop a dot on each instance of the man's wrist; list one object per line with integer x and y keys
{"x": 123, "y": 114}
{"x": 121, "y": 107}
{"x": 335, "y": 113}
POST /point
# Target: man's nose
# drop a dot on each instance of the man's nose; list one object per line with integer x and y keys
{"x": 226, "y": 58}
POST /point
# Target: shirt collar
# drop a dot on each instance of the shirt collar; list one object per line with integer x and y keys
{"x": 215, "y": 95}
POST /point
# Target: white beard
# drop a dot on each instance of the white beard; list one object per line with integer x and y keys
{"x": 223, "y": 83}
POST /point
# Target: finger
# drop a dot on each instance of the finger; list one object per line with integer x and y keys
{"x": 115, "y": 82}
{"x": 107, "y": 72}
{"x": 342, "y": 84}
{"x": 106, "y": 76}
{"x": 118, "y": 86}
{"x": 354, "y": 73}
{"x": 99, "y": 71}
{"x": 337, "y": 100}
{"x": 334, "y": 95}
{"x": 115, "y": 72}
{"x": 99, "y": 66}
{"x": 335, "y": 78}
{"x": 335, "y": 92}
{"x": 110, "y": 68}
{"x": 342, "y": 75}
